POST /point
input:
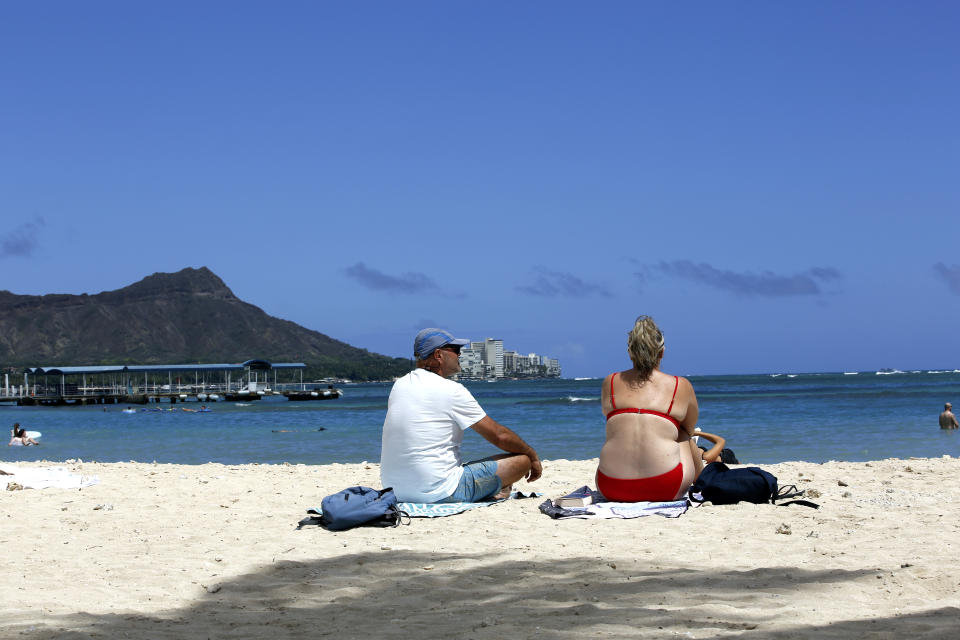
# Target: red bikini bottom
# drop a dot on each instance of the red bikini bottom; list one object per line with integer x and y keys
{"x": 662, "y": 488}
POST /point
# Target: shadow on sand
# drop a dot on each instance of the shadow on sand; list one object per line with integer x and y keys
{"x": 410, "y": 595}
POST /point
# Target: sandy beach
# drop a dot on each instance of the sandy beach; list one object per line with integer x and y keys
{"x": 212, "y": 551}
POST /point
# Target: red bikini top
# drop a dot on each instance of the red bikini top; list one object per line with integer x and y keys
{"x": 613, "y": 403}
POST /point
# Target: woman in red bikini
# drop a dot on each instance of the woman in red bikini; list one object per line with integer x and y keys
{"x": 651, "y": 417}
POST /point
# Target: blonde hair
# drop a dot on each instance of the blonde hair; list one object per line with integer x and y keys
{"x": 645, "y": 346}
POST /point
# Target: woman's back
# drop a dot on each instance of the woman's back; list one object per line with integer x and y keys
{"x": 648, "y": 443}
{"x": 650, "y": 417}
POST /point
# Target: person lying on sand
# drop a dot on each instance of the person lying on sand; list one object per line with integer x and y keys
{"x": 702, "y": 458}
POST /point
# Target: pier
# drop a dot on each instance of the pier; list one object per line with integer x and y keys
{"x": 143, "y": 384}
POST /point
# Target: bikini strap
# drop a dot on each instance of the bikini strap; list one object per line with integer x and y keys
{"x": 613, "y": 402}
{"x": 676, "y": 383}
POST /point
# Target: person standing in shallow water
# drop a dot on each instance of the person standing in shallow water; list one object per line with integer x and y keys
{"x": 947, "y": 419}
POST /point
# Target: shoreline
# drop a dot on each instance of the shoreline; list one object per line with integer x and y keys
{"x": 212, "y": 550}
{"x": 896, "y": 417}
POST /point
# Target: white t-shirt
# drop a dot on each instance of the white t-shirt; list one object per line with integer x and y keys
{"x": 420, "y": 450}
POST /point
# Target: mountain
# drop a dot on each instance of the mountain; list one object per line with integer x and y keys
{"x": 171, "y": 318}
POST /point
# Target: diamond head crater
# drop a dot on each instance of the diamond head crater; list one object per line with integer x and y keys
{"x": 188, "y": 317}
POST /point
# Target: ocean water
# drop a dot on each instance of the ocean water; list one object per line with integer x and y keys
{"x": 765, "y": 418}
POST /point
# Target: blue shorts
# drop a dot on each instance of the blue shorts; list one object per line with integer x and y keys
{"x": 479, "y": 481}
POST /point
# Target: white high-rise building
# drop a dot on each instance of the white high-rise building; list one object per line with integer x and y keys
{"x": 553, "y": 367}
{"x": 487, "y": 359}
{"x": 509, "y": 363}
{"x": 471, "y": 363}
{"x": 494, "y": 356}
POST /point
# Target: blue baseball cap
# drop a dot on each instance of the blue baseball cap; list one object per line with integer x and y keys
{"x": 429, "y": 340}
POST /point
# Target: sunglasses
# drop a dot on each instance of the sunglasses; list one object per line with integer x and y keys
{"x": 455, "y": 348}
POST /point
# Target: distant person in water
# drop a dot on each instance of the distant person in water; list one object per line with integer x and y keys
{"x": 19, "y": 436}
{"x": 947, "y": 419}
{"x": 651, "y": 416}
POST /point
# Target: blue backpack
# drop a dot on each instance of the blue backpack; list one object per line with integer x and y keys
{"x": 356, "y": 506}
{"x": 720, "y": 484}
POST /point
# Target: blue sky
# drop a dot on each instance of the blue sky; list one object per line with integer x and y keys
{"x": 775, "y": 183}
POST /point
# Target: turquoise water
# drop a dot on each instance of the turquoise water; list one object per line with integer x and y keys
{"x": 765, "y": 418}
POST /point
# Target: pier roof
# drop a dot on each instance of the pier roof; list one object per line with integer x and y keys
{"x": 264, "y": 364}
{"x": 69, "y": 371}
{"x": 159, "y": 368}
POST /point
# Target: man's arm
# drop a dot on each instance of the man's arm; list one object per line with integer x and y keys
{"x": 505, "y": 439}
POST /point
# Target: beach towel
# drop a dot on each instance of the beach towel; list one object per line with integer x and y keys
{"x": 442, "y": 509}
{"x": 604, "y": 509}
{"x": 428, "y": 510}
{"x": 46, "y": 478}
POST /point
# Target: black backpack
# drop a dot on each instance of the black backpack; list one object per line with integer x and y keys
{"x": 720, "y": 484}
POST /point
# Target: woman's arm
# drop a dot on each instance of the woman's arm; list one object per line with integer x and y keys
{"x": 605, "y": 406}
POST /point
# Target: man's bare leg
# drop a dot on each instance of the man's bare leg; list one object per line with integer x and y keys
{"x": 510, "y": 468}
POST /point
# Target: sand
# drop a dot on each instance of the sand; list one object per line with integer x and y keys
{"x": 212, "y": 551}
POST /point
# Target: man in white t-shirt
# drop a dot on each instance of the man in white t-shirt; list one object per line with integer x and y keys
{"x": 426, "y": 416}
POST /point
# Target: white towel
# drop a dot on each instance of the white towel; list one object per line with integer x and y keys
{"x": 47, "y": 478}
{"x": 604, "y": 510}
